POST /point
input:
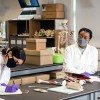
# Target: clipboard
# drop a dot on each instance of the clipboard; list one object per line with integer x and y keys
{"x": 9, "y": 93}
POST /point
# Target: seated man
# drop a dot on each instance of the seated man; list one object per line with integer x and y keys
{"x": 81, "y": 57}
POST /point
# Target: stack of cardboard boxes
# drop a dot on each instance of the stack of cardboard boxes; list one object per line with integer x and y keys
{"x": 36, "y": 52}
{"x": 29, "y": 79}
{"x": 53, "y": 11}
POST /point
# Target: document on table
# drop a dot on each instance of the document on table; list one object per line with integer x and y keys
{"x": 64, "y": 89}
{"x": 95, "y": 78}
{"x": 2, "y": 99}
{"x": 9, "y": 93}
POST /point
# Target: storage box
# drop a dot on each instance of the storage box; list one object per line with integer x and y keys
{"x": 39, "y": 57}
{"x": 10, "y": 82}
{"x": 28, "y": 80}
{"x": 16, "y": 81}
{"x": 42, "y": 77}
{"x": 57, "y": 74}
{"x": 52, "y": 14}
{"x": 35, "y": 44}
{"x": 53, "y": 7}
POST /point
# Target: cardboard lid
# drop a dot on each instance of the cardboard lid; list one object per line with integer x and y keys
{"x": 38, "y": 52}
{"x": 35, "y": 40}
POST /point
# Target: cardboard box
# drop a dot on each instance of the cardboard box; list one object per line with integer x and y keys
{"x": 39, "y": 57}
{"x": 28, "y": 80}
{"x": 53, "y": 7}
{"x": 16, "y": 81}
{"x": 35, "y": 44}
{"x": 10, "y": 82}
{"x": 42, "y": 77}
{"x": 57, "y": 74}
{"x": 52, "y": 14}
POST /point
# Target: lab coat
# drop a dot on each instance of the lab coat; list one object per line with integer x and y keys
{"x": 76, "y": 62}
{"x": 5, "y": 72}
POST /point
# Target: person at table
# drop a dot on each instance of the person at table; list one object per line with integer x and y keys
{"x": 81, "y": 57}
{"x": 10, "y": 59}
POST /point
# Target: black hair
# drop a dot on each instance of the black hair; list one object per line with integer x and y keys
{"x": 4, "y": 51}
{"x": 18, "y": 52}
{"x": 86, "y": 30}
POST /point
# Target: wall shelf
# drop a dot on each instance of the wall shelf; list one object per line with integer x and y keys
{"x": 16, "y": 28}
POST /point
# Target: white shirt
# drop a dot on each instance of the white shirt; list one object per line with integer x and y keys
{"x": 76, "y": 62}
{"x": 5, "y": 72}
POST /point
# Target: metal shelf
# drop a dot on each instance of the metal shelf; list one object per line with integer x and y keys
{"x": 27, "y": 69}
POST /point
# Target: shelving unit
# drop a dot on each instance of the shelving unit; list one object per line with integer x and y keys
{"x": 16, "y": 28}
{"x": 18, "y": 40}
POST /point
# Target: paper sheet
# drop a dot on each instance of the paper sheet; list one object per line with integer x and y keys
{"x": 63, "y": 89}
{"x": 95, "y": 78}
{"x": 2, "y": 99}
{"x": 9, "y": 93}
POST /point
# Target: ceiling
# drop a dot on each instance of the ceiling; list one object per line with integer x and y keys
{"x": 9, "y": 9}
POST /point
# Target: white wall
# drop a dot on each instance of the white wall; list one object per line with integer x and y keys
{"x": 67, "y": 5}
{"x": 88, "y": 15}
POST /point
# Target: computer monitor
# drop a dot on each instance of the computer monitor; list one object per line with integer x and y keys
{"x": 28, "y": 3}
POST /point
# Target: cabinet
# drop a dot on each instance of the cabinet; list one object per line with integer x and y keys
{"x": 16, "y": 28}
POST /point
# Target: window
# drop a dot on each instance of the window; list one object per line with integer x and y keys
{"x": 3, "y": 30}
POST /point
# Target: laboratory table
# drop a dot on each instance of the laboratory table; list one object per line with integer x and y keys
{"x": 90, "y": 92}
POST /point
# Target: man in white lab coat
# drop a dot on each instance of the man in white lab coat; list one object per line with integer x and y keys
{"x": 9, "y": 59}
{"x": 81, "y": 57}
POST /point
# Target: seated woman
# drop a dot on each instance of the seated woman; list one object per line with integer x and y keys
{"x": 81, "y": 57}
{"x": 9, "y": 59}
